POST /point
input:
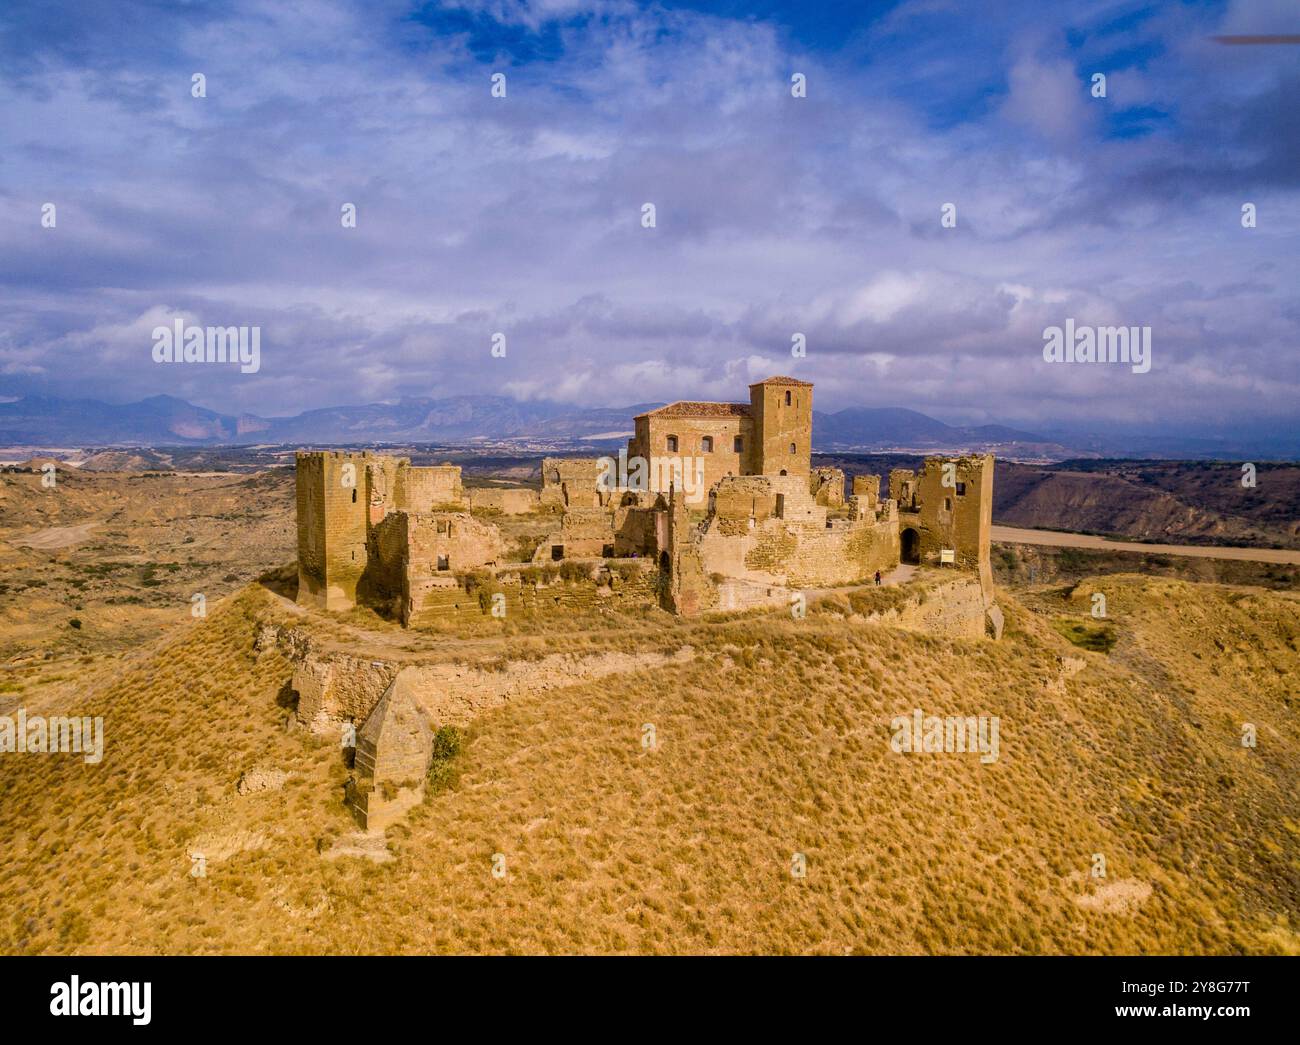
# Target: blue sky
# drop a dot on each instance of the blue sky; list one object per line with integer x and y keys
{"x": 775, "y": 215}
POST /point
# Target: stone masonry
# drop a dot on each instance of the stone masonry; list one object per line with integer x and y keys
{"x": 720, "y": 498}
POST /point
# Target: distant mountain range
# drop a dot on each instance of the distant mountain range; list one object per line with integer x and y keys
{"x": 168, "y": 421}
{"x": 46, "y": 421}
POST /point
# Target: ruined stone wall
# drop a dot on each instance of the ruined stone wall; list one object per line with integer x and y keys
{"x": 902, "y": 488}
{"x": 954, "y": 610}
{"x": 383, "y": 485}
{"x": 639, "y": 531}
{"x": 685, "y": 586}
{"x": 533, "y": 591}
{"x": 866, "y": 488}
{"x": 508, "y": 500}
{"x": 782, "y": 430}
{"x": 955, "y": 517}
{"x": 583, "y": 533}
{"x": 570, "y": 482}
{"x": 382, "y": 583}
{"x": 827, "y": 487}
{"x": 740, "y": 503}
{"x": 794, "y": 503}
{"x": 423, "y": 489}
{"x": 450, "y": 542}
{"x": 800, "y": 549}
{"x": 334, "y": 688}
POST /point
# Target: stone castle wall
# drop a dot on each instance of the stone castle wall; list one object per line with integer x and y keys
{"x": 570, "y": 482}
{"x": 529, "y": 592}
{"x": 508, "y": 500}
{"x": 433, "y": 488}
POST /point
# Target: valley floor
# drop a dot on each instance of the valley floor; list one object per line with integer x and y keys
{"x": 1059, "y": 539}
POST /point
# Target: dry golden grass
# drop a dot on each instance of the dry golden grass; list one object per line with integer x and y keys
{"x": 773, "y": 740}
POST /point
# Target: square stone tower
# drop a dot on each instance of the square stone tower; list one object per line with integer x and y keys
{"x": 781, "y": 409}
{"x": 947, "y": 507}
{"x": 333, "y": 501}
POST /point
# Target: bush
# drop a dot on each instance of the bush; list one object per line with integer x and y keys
{"x": 443, "y": 772}
{"x": 575, "y": 572}
{"x": 626, "y": 570}
{"x": 525, "y": 548}
{"x": 75, "y": 623}
{"x": 1097, "y": 638}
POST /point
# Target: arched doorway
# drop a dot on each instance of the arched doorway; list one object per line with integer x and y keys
{"x": 911, "y": 546}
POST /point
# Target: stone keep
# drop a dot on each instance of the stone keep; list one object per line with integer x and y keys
{"x": 333, "y": 499}
{"x": 947, "y": 507}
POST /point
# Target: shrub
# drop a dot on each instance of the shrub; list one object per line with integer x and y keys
{"x": 626, "y": 570}
{"x": 574, "y": 572}
{"x": 1097, "y": 638}
{"x": 525, "y": 548}
{"x": 443, "y": 771}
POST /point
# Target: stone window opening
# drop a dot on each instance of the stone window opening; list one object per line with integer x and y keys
{"x": 443, "y": 563}
{"x": 787, "y": 399}
{"x": 442, "y": 526}
{"x": 557, "y": 552}
{"x": 354, "y": 495}
{"x": 792, "y": 448}
{"x": 961, "y": 489}
{"x": 780, "y": 506}
{"x": 672, "y": 444}
{"x": 706, "y": 445}
{"x": 738, "y": 445}
{"x": 947, "y": 504}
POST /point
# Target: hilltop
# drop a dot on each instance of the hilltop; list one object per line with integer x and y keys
{"x": 773, "y": 738}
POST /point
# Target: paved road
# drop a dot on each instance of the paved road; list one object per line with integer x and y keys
{"x": 1015, "y": 535}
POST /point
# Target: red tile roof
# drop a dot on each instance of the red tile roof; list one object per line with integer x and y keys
{"x": 783, "y": 381}
{"x": 689, "y": 408}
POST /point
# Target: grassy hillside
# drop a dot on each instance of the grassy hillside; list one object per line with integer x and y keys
{"x": 773, "y": 740}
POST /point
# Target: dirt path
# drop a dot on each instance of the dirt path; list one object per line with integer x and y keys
{"x": 1015, "y": 535}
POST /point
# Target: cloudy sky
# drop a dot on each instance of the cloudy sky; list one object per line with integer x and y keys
{"x": 774, "y": 214}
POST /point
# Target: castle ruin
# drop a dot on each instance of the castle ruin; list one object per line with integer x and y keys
{"x": 719, "y": 501}
{"x": 712, "y": 507}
